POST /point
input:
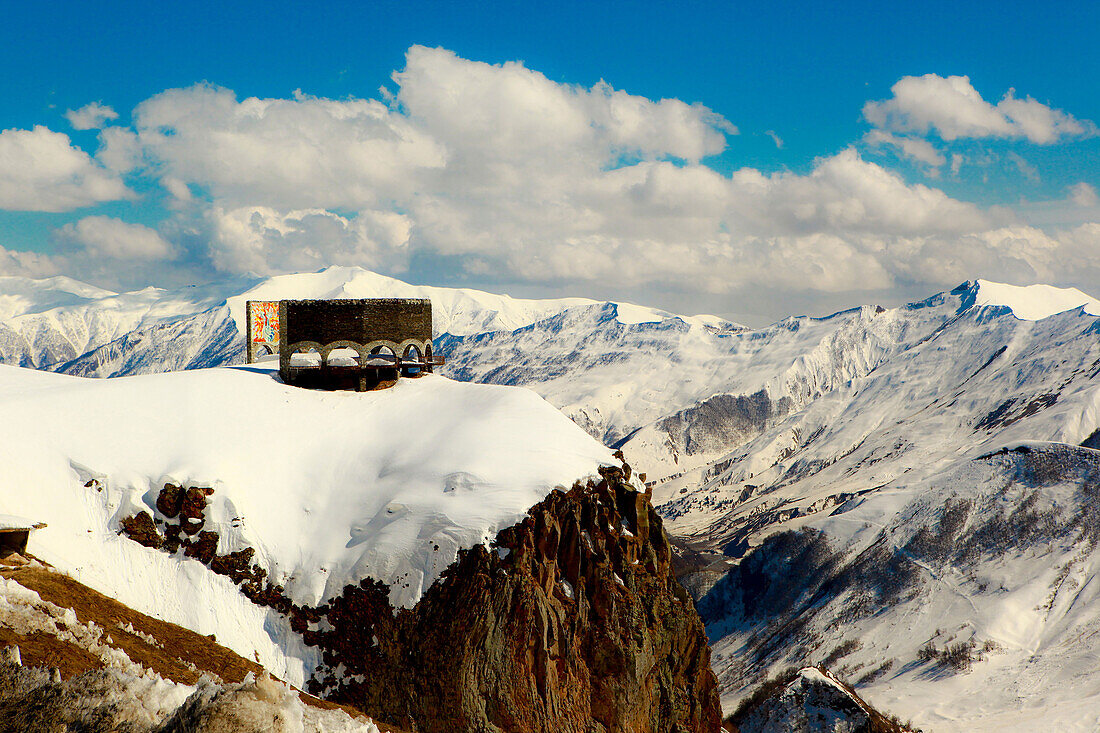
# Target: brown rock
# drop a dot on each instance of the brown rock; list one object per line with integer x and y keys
{"x": 237, "y": 565}
{"x": 193, "y": 505}
{"x": 171, "y": 538}
{"x": 169, "y": 500}
{"x": 190, "y": 527}
{"x": 142, "y": 529}
{"x": 579, "y": 627}
{"x": 204, "y": 548}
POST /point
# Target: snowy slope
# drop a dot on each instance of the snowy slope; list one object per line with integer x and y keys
{"x": 925, "y": 531}
{"x": 981, "y": 379}
{"x": 327, "y": 487}
{"x": 994, "y": 558}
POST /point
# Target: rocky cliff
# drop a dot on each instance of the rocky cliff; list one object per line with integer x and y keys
{"x": 572, "y": 621}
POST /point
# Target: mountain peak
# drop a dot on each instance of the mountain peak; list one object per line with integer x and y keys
{"x": 1027, "y": 302}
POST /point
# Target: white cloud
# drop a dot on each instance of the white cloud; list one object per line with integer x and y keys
{"x": 1027, "y": 170}
{"x": 957, "y": 160}
{"x": 513, "y": 113}
{"x": 119, "y": 149}
{"x": 775, "y": 138}
{"x": 913, "y": 148}
{"x": 954, "y": 109}
{"x": 845, "y": 193}
{"x": 92, "y": 116}
{"x": 107, "y": 237}
{"x": 1083, "y": 195}
{"x": 41, "y": 171}
{"x": 290, "y": 153}
{"x": 496, "y": 173}
{"x": 27, "y": 264}
{"x": 261, "y": 240}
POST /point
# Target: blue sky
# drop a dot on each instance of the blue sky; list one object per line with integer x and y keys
{"x": 793, "y": 79}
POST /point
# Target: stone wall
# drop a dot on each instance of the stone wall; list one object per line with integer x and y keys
{"x": 362, "y": 320}
{"x": 362, "y": 325}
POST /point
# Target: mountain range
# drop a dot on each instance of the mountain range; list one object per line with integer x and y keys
{"x": 904, "y": 496}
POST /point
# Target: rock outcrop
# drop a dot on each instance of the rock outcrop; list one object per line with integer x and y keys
{"x": 572, "y": 621}
{"x": 809, "y": 700}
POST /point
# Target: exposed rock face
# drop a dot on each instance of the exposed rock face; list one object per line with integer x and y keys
{"x": 181, "y": 516}
{"x": 809, "y": 701}
{"x": 573, "y": 622}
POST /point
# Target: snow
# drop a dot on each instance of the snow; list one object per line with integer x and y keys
{"x": 328, "y": 487}
{"x": 629, "y": 314}
{"x": 11, "y": 521}
{"x": 814, "y": 674}
{"x": 456, "y": 311}
{"x": 868, "y": 403}
{"x": 1035, "y": 302}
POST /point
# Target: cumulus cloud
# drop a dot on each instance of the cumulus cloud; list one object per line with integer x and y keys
{"x": 289, "y": 153}
{"x": 92, "y": 116}
{"x": 495, "y": 173}
{"x": 954, "y": 109}
{"x": 514, "y": 113}
{"x": 107, "y": 237}
{"x": 262, "y": 240}
{"x": 41, "y": 171}
{"x": 27, "y": 264}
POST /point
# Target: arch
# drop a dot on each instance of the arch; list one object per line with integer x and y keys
{"x": 328, "y": 348}
{"x": 305, "y": 350}
{"x": 343, "y": 353}
{"x": 381, "y": 354}
{"x": 412, "y": 342}
{"x": 297, "y": 346}
{"x": 374, "y": 347}
{"x": 428, "y": 356}
{"x": 412, "y": 360}
{"x": 342, "y": 356}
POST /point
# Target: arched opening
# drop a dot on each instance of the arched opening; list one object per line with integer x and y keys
{"x": 305, "y": 357}
{"x": 381, "y": 356}
{"x": 411, "y": 361}
{"x": 344, "y": 356}
{"x": 428, "y": 357}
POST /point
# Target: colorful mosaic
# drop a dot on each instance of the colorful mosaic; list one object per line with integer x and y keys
{"x": 263, "y": 327}
{"x": 265, "y": 321}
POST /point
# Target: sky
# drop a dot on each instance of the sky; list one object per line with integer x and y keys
{"x": 750, "y": 160}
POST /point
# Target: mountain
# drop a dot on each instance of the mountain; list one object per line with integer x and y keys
{"x": 443, "y": 555}
{"x": 899, "y": 495}
{"x": 325, "y": 488}
{"x": 63, "y": 325}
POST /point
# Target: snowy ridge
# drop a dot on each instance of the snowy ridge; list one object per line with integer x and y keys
{"x": 328, "y": 488}
{"x": 1034, "y": 302}
{"x": 64, "y": 325}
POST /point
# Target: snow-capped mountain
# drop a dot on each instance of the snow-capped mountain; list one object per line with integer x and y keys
{"x": 320, "y": 489}
{"x": 893, "y": 493}
{"x": 63, "y": 325}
